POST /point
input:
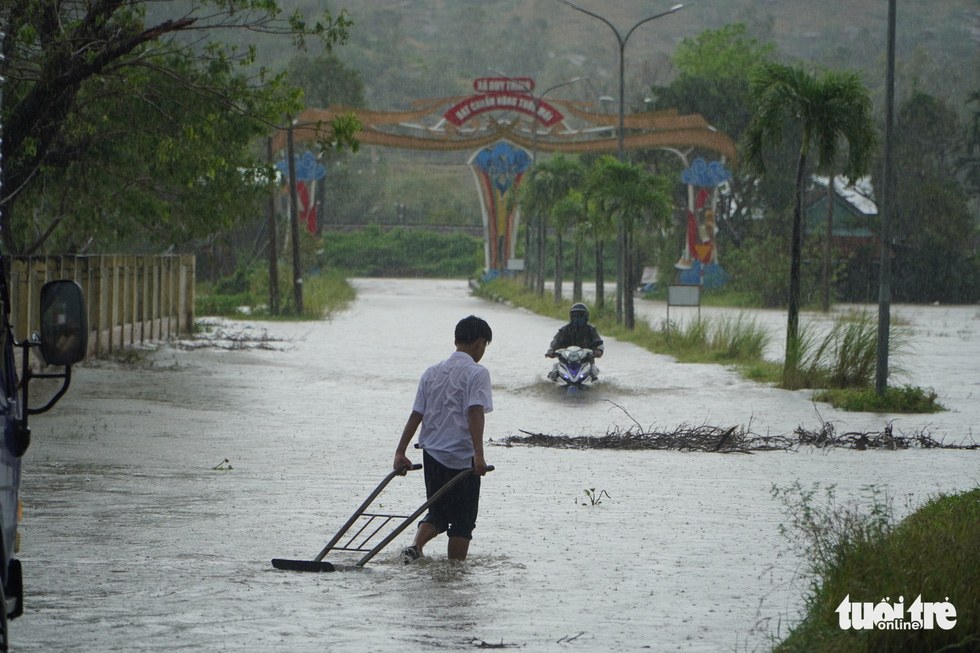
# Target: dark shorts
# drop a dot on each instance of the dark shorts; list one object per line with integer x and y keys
{"x": 456, "y": 511}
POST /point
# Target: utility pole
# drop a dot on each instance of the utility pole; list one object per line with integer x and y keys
{"x": 273, "y": 241}
{"x": 294, "y": 218}
{"x": 887, "y": 214}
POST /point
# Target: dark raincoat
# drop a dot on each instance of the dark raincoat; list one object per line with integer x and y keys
{"x": 585, "y": 336}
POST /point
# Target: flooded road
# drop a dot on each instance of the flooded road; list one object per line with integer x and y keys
{"x": 133, "y": 541}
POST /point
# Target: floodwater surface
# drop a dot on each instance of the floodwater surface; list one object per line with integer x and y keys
{"x": 137, "y": 536}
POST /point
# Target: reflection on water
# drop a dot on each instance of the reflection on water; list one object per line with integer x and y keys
{"x": 445, "y": 600}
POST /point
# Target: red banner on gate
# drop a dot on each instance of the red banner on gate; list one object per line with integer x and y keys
{"x": 546, "y": 114}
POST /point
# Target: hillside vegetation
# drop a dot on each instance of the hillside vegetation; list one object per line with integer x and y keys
{"x": 412, "y": 50}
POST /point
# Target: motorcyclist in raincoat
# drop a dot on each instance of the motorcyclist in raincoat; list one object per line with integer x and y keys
{"x": 577, "y": 333}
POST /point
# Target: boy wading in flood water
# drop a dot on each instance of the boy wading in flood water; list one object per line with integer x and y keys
{"x": 450, "y": 403}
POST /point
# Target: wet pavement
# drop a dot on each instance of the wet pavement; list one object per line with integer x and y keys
{"x": 133, "y": 541}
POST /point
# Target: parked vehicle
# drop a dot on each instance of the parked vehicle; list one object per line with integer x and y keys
{"x": 61, "y": 342}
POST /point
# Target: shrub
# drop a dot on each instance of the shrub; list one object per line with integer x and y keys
{"x": 867, "y": 557}
{"x": 906, "y": 399}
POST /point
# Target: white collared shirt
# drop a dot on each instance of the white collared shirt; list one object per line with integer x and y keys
{"x": 445, "y": 393}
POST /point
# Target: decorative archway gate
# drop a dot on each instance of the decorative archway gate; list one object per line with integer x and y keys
{"x": 502, "y": 121}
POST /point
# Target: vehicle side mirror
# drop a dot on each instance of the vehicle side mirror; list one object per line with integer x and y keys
{"x": 64, "y": 323}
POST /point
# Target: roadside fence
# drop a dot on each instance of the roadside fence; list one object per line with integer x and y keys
{"x": 130, "y": 299}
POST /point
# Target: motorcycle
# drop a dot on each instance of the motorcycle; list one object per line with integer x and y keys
{"x": 575, "y": 369}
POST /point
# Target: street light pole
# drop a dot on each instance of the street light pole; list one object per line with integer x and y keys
{"x": 888, "y": 209}
{"x": 623, "y": 274}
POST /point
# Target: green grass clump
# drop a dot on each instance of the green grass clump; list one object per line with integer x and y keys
{"x": 739, "y": 338}
{"x": 762, "y": 371}
{"x": 867, "y": 557}
{"x": 906, "y": 399}
{"x": 326, "y": 294}
{"x": 727, "y": 339}
{"x": 208, "y": 302}
{"x": 847, "y": 356}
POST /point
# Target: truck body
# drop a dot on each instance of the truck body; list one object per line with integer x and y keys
{"x": 61, "y": 342}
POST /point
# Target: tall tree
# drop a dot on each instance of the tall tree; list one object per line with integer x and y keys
{"x": 571, "y": 213}
{"x": 326, "y": 81}
{"x": 629, "y": 195}
{"x": 601, "y": 227}
{"x": 549, "y": 182}
{"x": 827, "y": 109}
{"x": 935, "y": 234}
{"x": 112, "y": 120}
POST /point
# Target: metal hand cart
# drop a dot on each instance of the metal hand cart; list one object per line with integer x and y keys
{"x": 369, "y": 526}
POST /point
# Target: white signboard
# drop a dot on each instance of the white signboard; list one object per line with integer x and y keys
{"x": 683, "y": 295}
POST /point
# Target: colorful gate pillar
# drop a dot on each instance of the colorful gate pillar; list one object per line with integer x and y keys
{"x": 498, "y": 171}
{"x": 308, "y": 172}
{"x": 700, "y": 248}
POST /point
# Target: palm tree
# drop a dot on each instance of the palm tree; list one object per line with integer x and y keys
{"x": 602, "y": 227}
{"x": 549, "y": 182}
{"x": 825, "y": 109}
{"x": 569, "y": 213}
{"x": 631, "y": 195}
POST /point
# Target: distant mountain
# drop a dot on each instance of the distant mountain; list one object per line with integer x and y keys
{"x": 418, "y": 49}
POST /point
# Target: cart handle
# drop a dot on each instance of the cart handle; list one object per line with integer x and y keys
{"x": 367, "y": 502}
